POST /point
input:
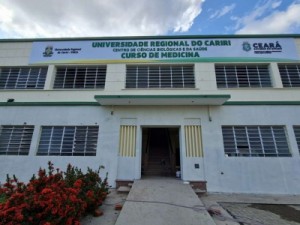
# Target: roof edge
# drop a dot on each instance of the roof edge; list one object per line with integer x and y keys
{"x": 153, "y": 37}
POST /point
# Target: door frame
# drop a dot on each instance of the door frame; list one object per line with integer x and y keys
{"x": 140, "y": 144}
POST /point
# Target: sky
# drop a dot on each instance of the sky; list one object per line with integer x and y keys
{"x": 101, "y": 18}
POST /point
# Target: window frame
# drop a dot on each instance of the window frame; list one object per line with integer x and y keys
{"x": 234, "y": 81}
{"x": 73, "y": 80}
{"x": 18, "y": 78}
{"x": 257, "y": 141}
{"x": 59, "y": 144}
{"x": 296, "y": 129}
{"x": 288, "y": 81}
{"x": 160, "y": 76}
{"x": 21, "y": 140}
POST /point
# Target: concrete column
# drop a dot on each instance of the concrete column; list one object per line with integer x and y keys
{"x": 115, "y": 77}
{"x": 50, "y": 77}
{"x": 35, "y": 140}
{"x": 205, "y": 76}
{"x": 275, "y": 75}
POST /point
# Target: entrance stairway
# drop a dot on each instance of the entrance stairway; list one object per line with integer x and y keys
{"x": 159, "y": 155}
{"x": 158, "y": 163}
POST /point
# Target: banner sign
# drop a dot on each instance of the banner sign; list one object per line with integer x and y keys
{"x": 164, "y": 50}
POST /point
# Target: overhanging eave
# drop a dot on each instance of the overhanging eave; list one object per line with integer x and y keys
{"x": 162, "y": 99}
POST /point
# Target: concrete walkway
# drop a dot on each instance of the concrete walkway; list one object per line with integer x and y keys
{"x": 163, "y": 201}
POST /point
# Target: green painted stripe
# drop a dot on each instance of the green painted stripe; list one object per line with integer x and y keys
{"x": 229, "y": 103}
{"x": 49, "y": 104}
{"x": 177, "y": 60}
{"x": 262, "y": 103}
{"x": 228, "y": 59}
{"x": 160, "y": 96}
{"x": 156, "y": 37}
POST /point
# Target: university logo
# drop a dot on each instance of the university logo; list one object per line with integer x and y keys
{"x": 246, "y": 46}
{"x": 48, "y": 51}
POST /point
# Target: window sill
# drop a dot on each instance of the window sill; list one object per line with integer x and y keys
{"x": 159, "y": 89}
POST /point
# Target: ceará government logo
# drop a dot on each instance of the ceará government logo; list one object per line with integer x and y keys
{"x": 246, "y": 46}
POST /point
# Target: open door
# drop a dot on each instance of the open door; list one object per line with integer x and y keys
{"x": 160, "y": 151}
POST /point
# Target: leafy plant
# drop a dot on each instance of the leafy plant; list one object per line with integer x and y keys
{"x": 94, "y": 189}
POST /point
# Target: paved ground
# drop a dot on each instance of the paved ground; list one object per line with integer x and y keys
{"x": 253, "y": 209}
{"x": 247, "y": 214}
{"x": 235, "y": 209}
{"x": 110, "y": 215}
{"x": 163, "y": 202}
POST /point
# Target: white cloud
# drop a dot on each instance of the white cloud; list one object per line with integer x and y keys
{"x": 277, "y": 22}
{"x": 276, "y": 4}
{"x": 78, "y": 18}
{"x": 219, "y": 13}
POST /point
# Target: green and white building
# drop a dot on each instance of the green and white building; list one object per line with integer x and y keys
{"x": 217, "y": 110}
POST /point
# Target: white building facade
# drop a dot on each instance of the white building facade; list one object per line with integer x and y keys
{"x": 226, "y": 108}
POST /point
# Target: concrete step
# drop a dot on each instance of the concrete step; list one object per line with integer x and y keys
{"x": 124, "y": 189}
{"x": 157, "y": 173}
{"x": 200, "y": 192}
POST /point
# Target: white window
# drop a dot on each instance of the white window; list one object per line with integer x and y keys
{"x": 15, "y": 140}
{"x": 68, "y": 140}
{"x": 290, "y": 74}
{"x": 261, "y": 141}
{"x": 80, "y": 77}
{"x": 241, "y": 76}
{"x": 160, "y": 76}
{"x": 22, "y": 77}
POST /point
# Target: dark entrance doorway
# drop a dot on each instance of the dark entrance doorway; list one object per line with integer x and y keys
{"x": 160, "y": 151}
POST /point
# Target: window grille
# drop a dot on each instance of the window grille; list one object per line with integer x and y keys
{"x": 241, "y": 76}
{"x": 251, "y": 141}
{"x": 297, "y": 135}
{"x": 193, "y": 143}
{"x": 15, "y": 140}
{"x": 80, "y": 77}
{"x": 127, "y": 141}
{"x": 22, "y": 77}
{"x": 290, "y": 75}
{"x": 160, "y": 76}
{"x": 68, "y": 140}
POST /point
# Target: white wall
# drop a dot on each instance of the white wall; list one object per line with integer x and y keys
{"x": 25, "y": 166}
{"x": 223, "y": 174}
{"x": 15, "y": 53}
{"x": 246, "y": 174}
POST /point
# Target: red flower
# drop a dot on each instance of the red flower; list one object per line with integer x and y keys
{"x": 19, "y": 217}
{"x": 90, "y": 194}
{"x": 46, "y": 191}
{"x": 73, "y": 198}
{"x": 78, "y": 183}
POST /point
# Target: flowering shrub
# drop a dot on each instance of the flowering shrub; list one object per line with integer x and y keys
{"x": 51, "y": 198}
{"x": 94, "y": 189}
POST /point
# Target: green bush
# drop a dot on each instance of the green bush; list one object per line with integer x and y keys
{"x": 94, "y": 189}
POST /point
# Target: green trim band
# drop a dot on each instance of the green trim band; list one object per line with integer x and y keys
{"x": 181, "y": 60}
{"x": 155, "y": 37}
{"x": 229, "y": 103}
{"x": 262, "y": 103}
{"x": 49, "y": 104}
{"x": 161, "y": 96}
